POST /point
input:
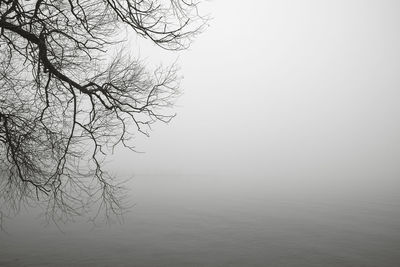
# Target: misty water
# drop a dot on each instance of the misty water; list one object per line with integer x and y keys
{"x": 225, "y": 221}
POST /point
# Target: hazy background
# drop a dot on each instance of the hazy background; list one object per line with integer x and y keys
{"x": 300, "y": 90}
{"x": 285, "y": 150}
{"x": 286, "y": 87}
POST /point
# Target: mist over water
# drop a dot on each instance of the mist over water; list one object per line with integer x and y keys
{"x": 285, "y": 150}
{"x": 222, "y": 221}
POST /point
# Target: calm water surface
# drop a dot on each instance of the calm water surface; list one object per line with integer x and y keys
{"x": 225, "y": 221}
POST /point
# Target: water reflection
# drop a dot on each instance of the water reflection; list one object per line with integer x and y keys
{"x": 217, "y": 221}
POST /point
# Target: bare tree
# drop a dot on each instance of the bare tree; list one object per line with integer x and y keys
{"x": 65, "y": 103}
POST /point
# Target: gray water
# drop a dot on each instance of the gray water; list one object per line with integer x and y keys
{"x": 225, "y": 221}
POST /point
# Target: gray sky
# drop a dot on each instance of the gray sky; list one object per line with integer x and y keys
{"x": 284, "y": 88}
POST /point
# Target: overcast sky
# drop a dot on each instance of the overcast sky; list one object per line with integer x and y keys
{"x": 285, "y": 88}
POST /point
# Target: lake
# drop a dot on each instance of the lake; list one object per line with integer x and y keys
{"x": 225, "y": 221}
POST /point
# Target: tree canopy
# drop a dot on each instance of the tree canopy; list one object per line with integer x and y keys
{"x": 65, "y": 102}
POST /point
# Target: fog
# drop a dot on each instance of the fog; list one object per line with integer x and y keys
{"x": 286, "y": 139}
{"x": 304, "y": 88}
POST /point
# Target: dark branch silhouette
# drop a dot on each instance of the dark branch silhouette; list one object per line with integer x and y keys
{"x": 65, "y": 103}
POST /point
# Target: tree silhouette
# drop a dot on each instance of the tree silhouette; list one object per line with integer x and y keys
{"x": 65, "y": 103}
